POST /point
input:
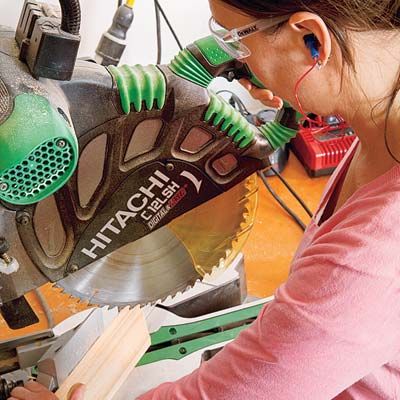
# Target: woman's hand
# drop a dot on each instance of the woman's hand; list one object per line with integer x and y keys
{"x": 35, "y": 391}
{"x": 264, "y": 95}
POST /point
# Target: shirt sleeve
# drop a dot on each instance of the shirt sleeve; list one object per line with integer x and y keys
{"x": 334, "y": 321}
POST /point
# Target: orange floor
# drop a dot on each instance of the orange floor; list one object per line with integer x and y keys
{"x": 268, "y": 251}
{"x": 275, "y": 236}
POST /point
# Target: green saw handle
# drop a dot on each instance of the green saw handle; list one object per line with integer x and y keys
{"x": 205, "y": 60}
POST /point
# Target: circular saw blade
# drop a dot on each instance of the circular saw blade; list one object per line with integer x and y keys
{"x": 171, "y": 259}
{"x": 141, "y": 272}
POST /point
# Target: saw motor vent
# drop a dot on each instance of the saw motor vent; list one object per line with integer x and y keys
{"x": 40, "y": 174}
{"x": 5, "y": 102}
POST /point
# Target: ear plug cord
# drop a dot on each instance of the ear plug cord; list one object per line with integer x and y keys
{"x": 296, "y": 94}
{"x": 314, "y": 126}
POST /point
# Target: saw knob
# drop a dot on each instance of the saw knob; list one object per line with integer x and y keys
{"x": 8, "y": 264}
{"x": 4, "y": 248}
{"x": 6, "y": 388}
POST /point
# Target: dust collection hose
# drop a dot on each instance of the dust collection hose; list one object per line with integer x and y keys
{"x": 71, "y": 16}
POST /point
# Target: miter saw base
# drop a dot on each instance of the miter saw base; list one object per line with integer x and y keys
{"x": 17, "y": 357}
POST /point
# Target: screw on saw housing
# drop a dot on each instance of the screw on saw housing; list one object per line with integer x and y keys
{"x": 23, "y": 218}
{"x": 72, "y": 268}
{"x": 61, "y": 143}
{"x": 4, "y": 248}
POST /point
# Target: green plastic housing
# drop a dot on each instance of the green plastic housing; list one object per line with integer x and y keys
{"x": 215, "y": 55}
{"x": 140, "y": 86}
{"x": 234, "y": 125}
{"x": 186, "y": 65}
{"x": 212, "y": 51}
{"x": 38, "y": 151}
{"x": 277, "y": 134}
{"x": 219, "y": 113}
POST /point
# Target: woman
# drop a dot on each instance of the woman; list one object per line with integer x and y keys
{"x": 333, "y": 330}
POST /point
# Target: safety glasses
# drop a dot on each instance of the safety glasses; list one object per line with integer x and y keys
{"x": 230, "y": 40}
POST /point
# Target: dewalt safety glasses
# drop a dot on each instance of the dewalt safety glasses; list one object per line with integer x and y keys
{"x": 230, "y": 40}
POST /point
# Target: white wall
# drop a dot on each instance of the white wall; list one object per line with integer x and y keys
{"x": 188, "y": 17}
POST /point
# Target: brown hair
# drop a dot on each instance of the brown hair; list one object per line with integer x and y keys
{"x": 340, "y": 16}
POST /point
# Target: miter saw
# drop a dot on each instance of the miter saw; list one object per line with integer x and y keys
{"x": 103, "y": 170}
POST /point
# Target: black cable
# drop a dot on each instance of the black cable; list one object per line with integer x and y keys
{"x": 169, "y": 24}
{"x": 158, "y": 30}
{"x": 292, "y": 191}
{"x": 296, "y": 219}
{"x": 119, "y": 3}
{"x": 242, "y": 108}
{"x": 233, "y": 101}
{"x": 71, "y": 16}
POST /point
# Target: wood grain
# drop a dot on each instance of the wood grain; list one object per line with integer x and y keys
{"x": 111, "y": 359}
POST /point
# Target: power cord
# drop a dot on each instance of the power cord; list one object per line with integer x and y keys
{"x": 45, "y": 307}
{"x": 294, "y": 216}
{"x": 158, "y": 5}
{"x": 293, "y": 192}
{"x": 236, "y": 102}
{"x": 158, "y": 32}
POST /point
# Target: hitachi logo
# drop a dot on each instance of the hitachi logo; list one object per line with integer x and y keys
{"x": 144, "y": 202}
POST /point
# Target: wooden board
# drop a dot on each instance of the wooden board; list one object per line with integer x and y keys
{"x": 111, "y": 359}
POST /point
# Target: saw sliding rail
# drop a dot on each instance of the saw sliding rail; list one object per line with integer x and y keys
{"x": 176, "y": 341}
{"x": 180, "y": 345}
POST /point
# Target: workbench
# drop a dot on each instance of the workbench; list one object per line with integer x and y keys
{"x": 268, "y": 251}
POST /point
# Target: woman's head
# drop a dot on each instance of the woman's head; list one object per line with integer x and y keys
{"x": 356, "y": 40}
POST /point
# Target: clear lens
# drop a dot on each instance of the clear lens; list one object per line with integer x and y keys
{"x": 234, "y": 48}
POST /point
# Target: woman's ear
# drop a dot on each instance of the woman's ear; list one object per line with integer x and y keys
{"x": 307, "y": 23}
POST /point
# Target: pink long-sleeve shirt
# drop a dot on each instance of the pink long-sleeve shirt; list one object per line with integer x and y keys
{"x": 333, "y": 330}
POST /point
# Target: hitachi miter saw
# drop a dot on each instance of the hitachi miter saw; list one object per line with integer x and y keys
{"x": 122, "y": 185}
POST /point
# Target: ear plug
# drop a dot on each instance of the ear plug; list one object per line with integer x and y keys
{"x": 313, "y": 45}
